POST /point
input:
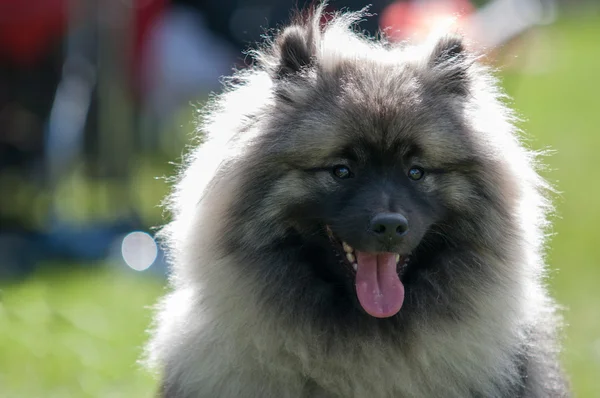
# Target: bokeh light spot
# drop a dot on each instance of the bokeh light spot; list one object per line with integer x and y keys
{"x": 139, "y": 250}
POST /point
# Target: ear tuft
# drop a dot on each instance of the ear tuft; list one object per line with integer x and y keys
{"x": 449, "y": 48}
{"x": 294, "y": 49}
{"x": 449, "y": 60}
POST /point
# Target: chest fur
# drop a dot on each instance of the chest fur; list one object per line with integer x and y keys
{"x": 451, "y": 362}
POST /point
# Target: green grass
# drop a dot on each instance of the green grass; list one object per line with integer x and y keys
{"x": 79, "y": 333}
{"x": 563, "y": 113}
{"x": 76, "y": 334}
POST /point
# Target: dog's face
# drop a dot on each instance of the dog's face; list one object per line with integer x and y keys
{"x": 373, "y": 202}
{"x": 386, "y": 177}
{"x": 359, "y": 176}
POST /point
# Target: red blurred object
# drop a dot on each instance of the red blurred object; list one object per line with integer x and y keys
{"x": 147, "y": 15}
{"x": 29, "y": 27}
{"x": 404, "y": 19}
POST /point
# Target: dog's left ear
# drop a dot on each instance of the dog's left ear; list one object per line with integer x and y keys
{"x": 450, "y": 62}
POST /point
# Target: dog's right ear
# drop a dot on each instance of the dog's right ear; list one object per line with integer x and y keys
{"x": 294, "y": 50}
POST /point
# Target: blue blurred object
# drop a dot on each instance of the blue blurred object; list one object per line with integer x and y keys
{"x": 90, "y": 242}
{"x": 89, "y": 245}
{"x": 21, "y": 251}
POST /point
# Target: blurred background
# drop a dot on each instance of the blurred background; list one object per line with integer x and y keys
{"x": 97, "y": 103}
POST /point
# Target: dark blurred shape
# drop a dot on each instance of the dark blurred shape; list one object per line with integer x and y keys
{"x": 30, "y": 62}
{"x": 242, "y": 22}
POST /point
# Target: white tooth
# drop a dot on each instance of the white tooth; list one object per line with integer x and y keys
{"x": 355, "y": 266}
{"x": 350, "y": 257}
{"x": 347, "y": 247}
{"x": 397, "y": 258}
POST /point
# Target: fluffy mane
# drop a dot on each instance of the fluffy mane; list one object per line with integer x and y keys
{"x": 484, "y": 307}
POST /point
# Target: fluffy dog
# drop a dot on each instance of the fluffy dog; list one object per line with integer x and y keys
{"x": 362, "y": 221}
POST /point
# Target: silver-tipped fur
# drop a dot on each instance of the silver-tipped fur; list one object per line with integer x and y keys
{"x": 252, "y": 313}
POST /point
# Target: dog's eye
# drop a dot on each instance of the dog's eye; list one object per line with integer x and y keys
{"x": 342, "y": 172}
{"x": 416, "y": 173}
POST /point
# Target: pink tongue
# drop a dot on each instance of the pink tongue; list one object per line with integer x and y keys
{"x": 378, "y": 286}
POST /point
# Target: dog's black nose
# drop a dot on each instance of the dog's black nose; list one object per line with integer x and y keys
{"x": 389, "y": 226}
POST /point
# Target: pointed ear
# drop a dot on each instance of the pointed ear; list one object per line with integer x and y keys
{"x": 449, "y": 59}
{"x": 294, "y": 49}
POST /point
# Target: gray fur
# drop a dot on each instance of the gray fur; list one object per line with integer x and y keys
{"x": 242, "y": 321}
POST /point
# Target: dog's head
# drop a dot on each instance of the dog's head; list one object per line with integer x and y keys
{"x": 363, "y": 165}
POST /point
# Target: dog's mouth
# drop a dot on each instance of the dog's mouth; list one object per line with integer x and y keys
{"x": 376, "y": 277}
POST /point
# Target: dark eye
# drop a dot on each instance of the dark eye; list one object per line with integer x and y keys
{"x": 342, "y": 172}
{"x": 416, "y": 173}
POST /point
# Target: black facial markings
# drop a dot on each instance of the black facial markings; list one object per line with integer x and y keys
{"x": 326, "y": 281}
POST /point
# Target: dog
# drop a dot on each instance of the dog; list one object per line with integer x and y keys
{"x": 362, "y": 220}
